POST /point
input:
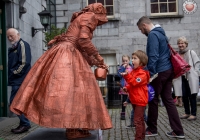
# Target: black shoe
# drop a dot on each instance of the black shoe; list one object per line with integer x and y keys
{"x": 130, "y": 126}
{"x": 173, "y": 135}
{"x": 12, "y": 130}
{"x": 122, "y": 118}
{"x": 21, "y": 129}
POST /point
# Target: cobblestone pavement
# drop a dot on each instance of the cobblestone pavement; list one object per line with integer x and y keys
{"x": 119, "y": 132}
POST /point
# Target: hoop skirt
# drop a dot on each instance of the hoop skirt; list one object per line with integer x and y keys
{"x": 60, "y": 91}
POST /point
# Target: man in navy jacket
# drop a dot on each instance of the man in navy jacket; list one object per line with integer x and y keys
{"x": 159, "y": 62}
{"x": 19, "y": 64}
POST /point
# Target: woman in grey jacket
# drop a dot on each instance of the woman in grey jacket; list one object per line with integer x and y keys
{"x": 187, "y": 85}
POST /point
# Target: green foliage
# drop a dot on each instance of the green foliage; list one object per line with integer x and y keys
{"x": 54, "y": 32}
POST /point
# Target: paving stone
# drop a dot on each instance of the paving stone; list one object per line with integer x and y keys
{"x": 118, "y": 132}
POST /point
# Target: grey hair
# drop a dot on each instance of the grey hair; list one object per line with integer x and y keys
{"x": 15, "y": 30}
{"x": 182, "y": 38}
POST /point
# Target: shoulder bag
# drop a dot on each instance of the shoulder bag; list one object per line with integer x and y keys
{"x": 180, "y": 66}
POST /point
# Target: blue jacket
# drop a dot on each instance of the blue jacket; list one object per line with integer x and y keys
{"x": 122, "y": 69}
{"x": 19, "y": 63}
{"x": 157, "y": 51}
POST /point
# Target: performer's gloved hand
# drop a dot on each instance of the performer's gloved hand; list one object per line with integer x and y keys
{"x": 104, "y": 66}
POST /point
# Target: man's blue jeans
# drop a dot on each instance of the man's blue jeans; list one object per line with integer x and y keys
{"x": 23, "y": 120}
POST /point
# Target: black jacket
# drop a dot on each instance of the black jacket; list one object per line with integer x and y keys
{"x": 19, "y": 63}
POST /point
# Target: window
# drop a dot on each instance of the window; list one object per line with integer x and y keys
{"x": 51, "y": 7}
{"x": 109, "y": 5}
{"x": 164, "y": 7}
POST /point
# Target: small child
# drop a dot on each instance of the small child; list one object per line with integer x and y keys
{"x": 137, "y": 81}
{"x": 126, "y": 66}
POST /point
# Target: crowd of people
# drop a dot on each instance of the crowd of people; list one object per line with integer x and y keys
{"x": 54, "y": 93}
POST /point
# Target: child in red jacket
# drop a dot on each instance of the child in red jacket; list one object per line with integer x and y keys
{"x": 137, "y": 81}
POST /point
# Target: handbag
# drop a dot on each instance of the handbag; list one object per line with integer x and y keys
{"x": 180, "y": 66}
{"x": 151, "y": 92}
{"x": 100, "y": 74}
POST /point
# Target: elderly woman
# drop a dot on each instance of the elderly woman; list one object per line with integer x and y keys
{"x": 187, "y": 85}
{"x": 61, "y": 91}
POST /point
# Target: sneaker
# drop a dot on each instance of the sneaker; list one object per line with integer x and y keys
{"x": 130, "y": 126}
{"x": 173, "y": 135}
{"x": 149, "y": 134}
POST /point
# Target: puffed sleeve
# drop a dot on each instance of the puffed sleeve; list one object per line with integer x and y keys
{"x": 90, "y": 59}
{"x": 88, "y": 24}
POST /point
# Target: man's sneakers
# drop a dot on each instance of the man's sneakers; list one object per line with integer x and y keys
{"x": 149, "y": 134}
{"x": 169, "y": 134}
{"x": 173, "y": 135}
{"x": 130, "y": 126}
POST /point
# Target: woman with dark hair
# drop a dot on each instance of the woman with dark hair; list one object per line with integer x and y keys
{"x": 187, "y": 85}
{"x": 61, "y": 91}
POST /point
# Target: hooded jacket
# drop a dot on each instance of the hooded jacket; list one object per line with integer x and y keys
{"x": 137, "y": 81}
{"x": 157, "y": 51}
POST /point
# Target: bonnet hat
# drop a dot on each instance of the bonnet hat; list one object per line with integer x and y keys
{"x": 96, "y": 8}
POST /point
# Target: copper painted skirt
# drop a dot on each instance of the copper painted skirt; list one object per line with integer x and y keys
{"x": 60, "y": 91}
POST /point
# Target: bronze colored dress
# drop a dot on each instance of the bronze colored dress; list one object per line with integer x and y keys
{"x": 61, "y": 91}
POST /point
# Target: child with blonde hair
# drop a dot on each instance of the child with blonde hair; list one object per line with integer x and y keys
{"x": 126, "y": 66}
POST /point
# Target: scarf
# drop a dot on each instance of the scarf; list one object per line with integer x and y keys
{"x": 183, "y": 51}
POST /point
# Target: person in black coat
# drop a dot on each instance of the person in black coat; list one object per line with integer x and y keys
{"x": 19, "y": 64}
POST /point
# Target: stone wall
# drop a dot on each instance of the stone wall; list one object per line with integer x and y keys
{"x": 121, "y": 35}
{"x": 24, "y": 24}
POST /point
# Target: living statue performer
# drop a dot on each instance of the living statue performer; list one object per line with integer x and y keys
{"x": 61, "y": 91}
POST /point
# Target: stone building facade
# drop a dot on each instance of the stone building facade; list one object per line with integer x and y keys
{"x": 25, "y": 22}
{"x": 117, "y": 37}
{"x": 121, "y": 35}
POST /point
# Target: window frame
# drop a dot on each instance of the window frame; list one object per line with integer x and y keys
{"x": 179, "y": 12}
{"x": 166, "y": 13}
{"x": 108, "y": 16}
